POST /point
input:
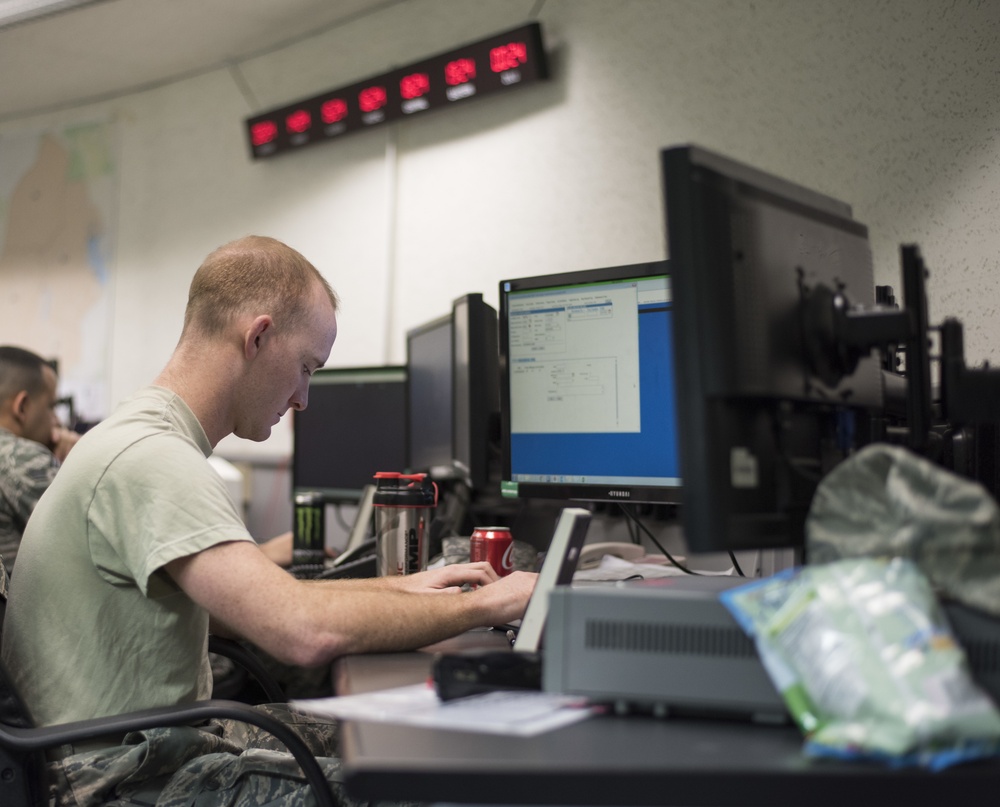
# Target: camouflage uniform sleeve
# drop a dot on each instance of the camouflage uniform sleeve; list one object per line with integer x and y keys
{"x": 26, "y": 470}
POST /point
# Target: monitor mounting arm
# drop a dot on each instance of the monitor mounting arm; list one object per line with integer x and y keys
{"x": 837, "y": 336}
{"x": 968, "y": 396}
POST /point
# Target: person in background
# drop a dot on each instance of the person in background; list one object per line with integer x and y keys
{"x": 137, "y": 546}
{"x": 32, "y": 441}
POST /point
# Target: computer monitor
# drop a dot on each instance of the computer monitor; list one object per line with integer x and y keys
{"x": 587, "y": 398}
{"x": 764, "y": 413}
{"x": 429, "y": 411}
{"x": 453, "y": 398}
{"x": 476, "y": 391}
{"x": 353, "y": 426}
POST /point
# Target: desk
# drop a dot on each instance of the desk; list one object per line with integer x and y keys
{"x": 616, "y": 760}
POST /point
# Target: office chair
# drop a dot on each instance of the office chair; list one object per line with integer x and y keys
{"x": 22, "y": 744}
{"x": 248, "y": 662}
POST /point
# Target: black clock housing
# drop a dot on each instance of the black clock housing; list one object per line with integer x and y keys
{"x": 498, "y": 64}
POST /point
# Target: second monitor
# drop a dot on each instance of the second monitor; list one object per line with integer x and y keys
{"x": 453, "y": 399}
{"x": 353, "y": 426}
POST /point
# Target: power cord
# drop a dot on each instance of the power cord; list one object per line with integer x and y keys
{"x": 632, "y": 518}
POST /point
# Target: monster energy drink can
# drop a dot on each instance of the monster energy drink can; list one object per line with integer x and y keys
{"x": 309, "y": 536}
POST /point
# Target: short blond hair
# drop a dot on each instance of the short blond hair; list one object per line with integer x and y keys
{"x": 254, "y": 274}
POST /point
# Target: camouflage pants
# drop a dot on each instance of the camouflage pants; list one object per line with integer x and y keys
{"x": 223, "y": 764}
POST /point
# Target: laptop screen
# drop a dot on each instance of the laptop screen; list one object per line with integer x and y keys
{"x": 557, "y": 570}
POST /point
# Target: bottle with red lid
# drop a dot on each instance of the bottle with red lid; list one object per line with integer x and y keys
{"x": 403, "y": 506}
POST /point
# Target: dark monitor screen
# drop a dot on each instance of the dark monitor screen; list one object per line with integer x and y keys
{"x": 587, "y": 404}
{"x": 761, "y": 425}
{"x": 429, "y": 365}
{"x": 453, "y": 398}
{"x": 354, "y": 425}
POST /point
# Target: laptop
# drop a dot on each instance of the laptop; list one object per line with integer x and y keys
{"x": 557, "y": 570}
{"x": 361, "y": 530}
{"x": 358, "y": 558}
{"x": 458, "y": 675}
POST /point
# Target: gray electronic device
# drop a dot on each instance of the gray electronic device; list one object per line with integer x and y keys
{"x": 670, "y": 647}
{"x": 662, "y": 645}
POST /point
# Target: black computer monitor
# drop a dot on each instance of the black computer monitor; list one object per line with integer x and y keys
{"x": 453, "y": 398}
{"x": 763, "y": 419}
{"x": 587, "y": 398}
{"x": 429, "y": 411}
{"x": 354, "y": 425}
{"x": 476, "y": 390}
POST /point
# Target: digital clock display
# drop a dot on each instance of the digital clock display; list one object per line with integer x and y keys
{"x": 497, "y": 64}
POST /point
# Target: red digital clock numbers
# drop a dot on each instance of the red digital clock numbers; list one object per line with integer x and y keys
{"x": 508, "y": 57}
{"x": 492, "y": 65}
{"x": 334, "y": 110}
{"x": 459, "y": 71}
{"x": 372, "y": 98}
{"x": 263, "y": 132}
{"x": 298, "y": 121}
{"x": 414, "y": 85}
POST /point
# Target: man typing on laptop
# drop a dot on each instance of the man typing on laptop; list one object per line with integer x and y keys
{"x": 137, "y": 548}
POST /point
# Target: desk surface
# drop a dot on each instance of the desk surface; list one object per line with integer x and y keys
{"x": 614, "y": 760}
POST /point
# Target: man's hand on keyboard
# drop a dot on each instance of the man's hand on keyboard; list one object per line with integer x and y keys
{"x": 448, "y": 578}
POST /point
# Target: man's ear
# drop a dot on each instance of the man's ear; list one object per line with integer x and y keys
{"x": 260, "y": 330}
{"x": 19, "y": 406}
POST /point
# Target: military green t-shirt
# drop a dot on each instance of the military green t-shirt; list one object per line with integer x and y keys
{"x": 95, "y": 626}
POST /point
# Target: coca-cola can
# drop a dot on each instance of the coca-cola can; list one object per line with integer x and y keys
{"x": 494, "y": 545}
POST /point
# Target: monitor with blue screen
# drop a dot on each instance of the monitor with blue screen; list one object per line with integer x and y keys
{"x": 587, "y": 399}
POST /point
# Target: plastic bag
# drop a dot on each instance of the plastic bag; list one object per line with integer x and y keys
{"x": 886, "y": 501}
{"x": 867, "y": 664}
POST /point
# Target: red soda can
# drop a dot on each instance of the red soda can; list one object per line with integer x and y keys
{"x": 494, "y": 545}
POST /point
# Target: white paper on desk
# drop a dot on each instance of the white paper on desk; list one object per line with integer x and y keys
{"x": 611, "y": 568}
{"x": 508, "y": 712}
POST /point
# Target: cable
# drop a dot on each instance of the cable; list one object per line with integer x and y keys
{"x": 736, "y": 564}
{"x": 652, "y": 538}
{"x": 339, "y": 515}
{"x": 633, "y": 533}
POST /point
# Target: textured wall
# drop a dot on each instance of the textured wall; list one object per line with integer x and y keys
{"x": 890, "y": 105}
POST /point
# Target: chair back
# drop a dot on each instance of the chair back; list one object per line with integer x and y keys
{"x": 22, "y": 769}
{"x": 21, "y": 772}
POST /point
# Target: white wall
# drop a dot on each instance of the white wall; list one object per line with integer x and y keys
{"x": 890, "y": 105}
